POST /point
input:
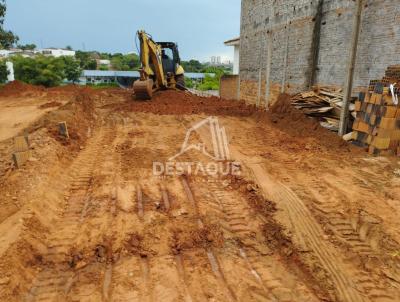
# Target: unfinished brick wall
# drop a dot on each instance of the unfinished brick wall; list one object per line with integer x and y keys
{"x": 279, "y": 45}
{"x": 228, "y": 88}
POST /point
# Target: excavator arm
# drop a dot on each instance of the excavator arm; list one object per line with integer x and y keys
{"x": 159, "y": 71}
{"x": 151, "y": 53}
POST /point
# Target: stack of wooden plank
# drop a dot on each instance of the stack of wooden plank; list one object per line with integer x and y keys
{"x": 324, "y": 103}
{"x": 377, "y": 125}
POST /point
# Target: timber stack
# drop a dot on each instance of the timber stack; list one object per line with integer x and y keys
{"x": 324, "y": 103}
{"x": 377, "y": 125}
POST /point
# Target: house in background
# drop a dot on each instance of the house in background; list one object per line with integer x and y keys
{"x": 229, "y": 87}
{"x": 121, "y": 78}
{"x": 5, "y": 53}
{"x": 57, "y": 52}
{"x": 236, "y": 57}
{"x": 104, "y": 63}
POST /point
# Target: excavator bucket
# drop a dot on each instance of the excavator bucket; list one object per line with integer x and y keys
{"x": 143, "y": 89}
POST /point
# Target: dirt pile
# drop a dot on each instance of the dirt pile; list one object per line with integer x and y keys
{"x": 294, "y": 122}
{"x": 18, "y": 88}
{"x": 282, "y": 115}
{"x": 177, "y": 102}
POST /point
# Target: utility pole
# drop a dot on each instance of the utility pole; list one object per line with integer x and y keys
{"x": 344, "y": 116}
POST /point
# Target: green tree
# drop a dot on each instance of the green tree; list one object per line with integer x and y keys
{"x": 189, "y": 83}
{"x": 72, "y": 69}
{"x": 7, "y": 38}
{"x": 3, "y": 72}
{"x": 125, "y": 62}
{"x": 86, "y": 60}
{"x": 42, "y": 70}
{"x": 192, "y": 66}
{"x": 209, "y": 83}
{"x": 68, "y": 47}
{"x": 27, "y": 47}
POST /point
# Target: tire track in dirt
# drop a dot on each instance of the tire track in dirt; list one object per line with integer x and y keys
{"x": 55, "y": 282}
{"x": 309, "y": 229}
{"x": 245, "y": 230}
{"x": 109, "y": 269}
{"x": 213, "y": 259}
{"x": 359, "y": 238}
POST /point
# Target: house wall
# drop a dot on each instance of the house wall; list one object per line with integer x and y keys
{"x": 228, "y": 88}
{"x": 236, "y": 58}
{"x": 278, "y": 45}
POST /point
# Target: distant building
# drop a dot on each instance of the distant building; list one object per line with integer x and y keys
{"x": 215, "y": 60}
{"x": 57, "y": 52}
{"x": 123, "y": 78}
{"x": 236, "y": 44}
{"x": 106, "y": 63}
{"x": 5, "y": 53}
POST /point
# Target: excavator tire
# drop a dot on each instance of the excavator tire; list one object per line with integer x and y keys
{"x": 143, "y": 89}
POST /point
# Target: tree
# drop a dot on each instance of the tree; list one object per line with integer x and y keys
{"x": 85, "y": 60}
{"x": 42, "y": 70}
{"x": 7, "y": 38}
{"x": 192, "y": 66}
{"x": 68, "y": 47}
{"x": 27, "y": 47}
{"x": 91, "y": 65}
{"x": 125, "y": 62}
{"x": 3, "y": 72}
{"x": 72, "y": 69}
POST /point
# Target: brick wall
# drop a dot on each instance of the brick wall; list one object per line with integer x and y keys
{"x": 278, "y": 40}
{"x": 228, "y": 88}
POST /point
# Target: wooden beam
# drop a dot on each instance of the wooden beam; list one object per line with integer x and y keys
{"x": 344, "y": 116}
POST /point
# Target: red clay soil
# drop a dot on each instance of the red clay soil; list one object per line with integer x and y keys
{"x": 17, "y": 88}
{"x": 177, "y": 102}
{"x": 50, "y": 105}
{"x": 292, "y": 121}
{"x": 281, "y": 115}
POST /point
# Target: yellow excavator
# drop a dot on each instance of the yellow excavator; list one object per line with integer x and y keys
{"x": 161, "y": 67}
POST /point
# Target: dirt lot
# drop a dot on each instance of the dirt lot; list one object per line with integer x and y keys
{"x": 308, "y": 218}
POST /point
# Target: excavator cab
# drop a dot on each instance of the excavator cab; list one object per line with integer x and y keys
{"x": 170, "y": 56}
{"x": 161, "y": 67}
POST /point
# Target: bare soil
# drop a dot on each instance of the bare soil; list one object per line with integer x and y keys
{"x": 310, "y": 218}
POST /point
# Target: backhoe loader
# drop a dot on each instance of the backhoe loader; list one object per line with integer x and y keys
{"x": 160, "y": 69}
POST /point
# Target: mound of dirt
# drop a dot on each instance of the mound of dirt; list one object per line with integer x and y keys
{"x": 178, "y": 102}
{"x": 282, "y": 114}
{"x": 18, "y": 88}
{"x": 292, "y": 121}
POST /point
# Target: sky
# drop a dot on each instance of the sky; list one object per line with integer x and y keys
{"x": 198, "y": 26}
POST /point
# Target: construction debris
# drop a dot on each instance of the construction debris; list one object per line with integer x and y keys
{"x": 377, "y": 125}
{"x": 63, "y": 129}
{"x": 324, "y": 103}
{"x": 21, "y": 151}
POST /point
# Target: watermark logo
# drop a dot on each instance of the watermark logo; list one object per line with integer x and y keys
{"x": 209, "y": 139}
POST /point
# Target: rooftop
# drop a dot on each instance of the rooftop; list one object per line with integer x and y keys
{"x": 132, "y": 74}
{"x": 233, "y": 42}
